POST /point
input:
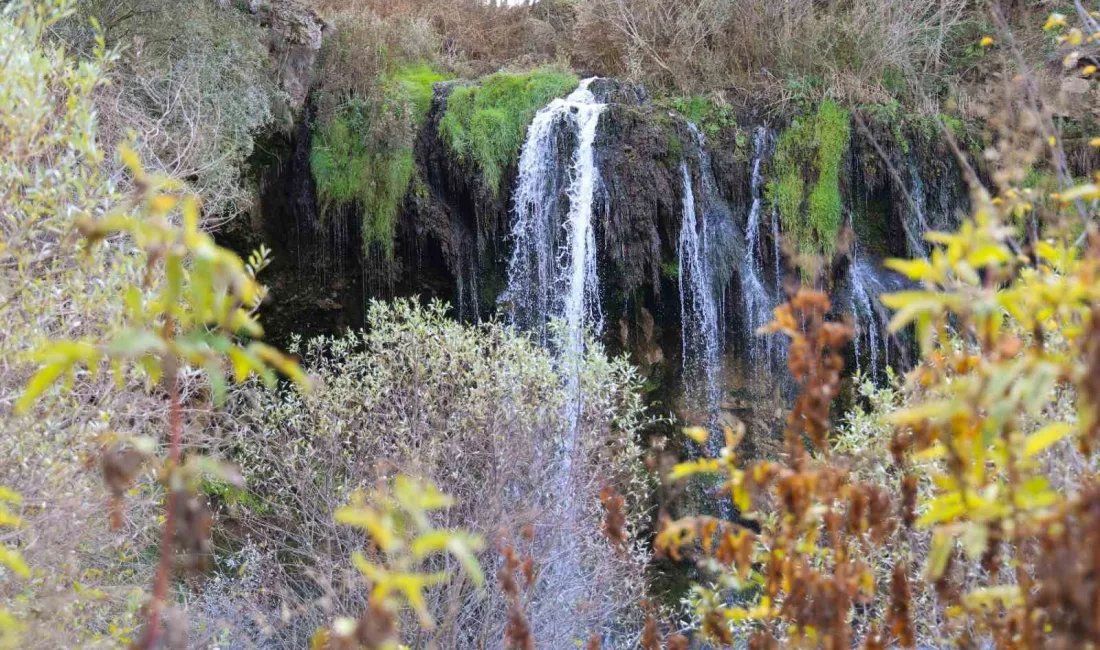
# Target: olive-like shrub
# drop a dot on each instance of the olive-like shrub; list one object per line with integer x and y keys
{"x": 480, "y": 411}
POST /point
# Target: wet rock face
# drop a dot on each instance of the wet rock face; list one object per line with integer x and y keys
{"x": 453, "y": 236}
{"x": 639, "y": 154}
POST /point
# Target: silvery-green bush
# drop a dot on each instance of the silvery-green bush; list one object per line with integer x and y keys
{"x": 478, "y": 410}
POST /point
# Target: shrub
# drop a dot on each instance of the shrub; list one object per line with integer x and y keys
{"x": 479, "y": 412}
{"x": 194, "y": 86}
{"x": 150, "y": 300}
{"x": 485, "y": 123}
{"x": 698, "y": 45}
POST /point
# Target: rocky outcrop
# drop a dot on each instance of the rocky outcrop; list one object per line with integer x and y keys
{"x": 294, "y": 32}
{"x": 452, "y": 239}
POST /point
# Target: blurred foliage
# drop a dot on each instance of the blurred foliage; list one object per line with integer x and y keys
{"x": 397, "y": 522}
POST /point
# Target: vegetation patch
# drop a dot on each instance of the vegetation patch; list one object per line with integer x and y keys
{"x": 363, "y": 154}
{"x": 808, "y": 157}
{"x": 485, "y": 123}
{"x": 712, "y": 117}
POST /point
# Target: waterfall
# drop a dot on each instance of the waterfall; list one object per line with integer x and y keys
{"x": 698, "y": 308}
{"x": 552, "y": 271}
{"x": 712, "y": 250}
{"x": 915, "y": 222}
{"x": 866, "y": 283}
{"x": 466, "y": 284}
{"x": 757, "y": 302}
{"x": 552, "y": 280}
{"x": 777, "y": 255}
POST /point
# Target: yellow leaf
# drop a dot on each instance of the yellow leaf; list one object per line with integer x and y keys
{"x": 378, "y": 526}
{"x": 1088, "y": 191}
{"x": 1054, "y": 21}
{"x": 917, "y": 269}
{"x": 698, "y": 434}
{"x": 162, "y": 203}
{"x": 692, "y": 467}
{"x": 1046, "y": 437}
{"x": 945, "y": 508}
{"x": 14, "y": 561}
{"x": 41, "y": 380}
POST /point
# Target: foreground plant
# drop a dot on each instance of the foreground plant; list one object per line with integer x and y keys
{"x": 397, "y": 520}
{"x": 193, "y": 310}
{"x": 984, "y": 528}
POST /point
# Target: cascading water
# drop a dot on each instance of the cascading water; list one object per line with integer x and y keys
{"x": 915, "y": 222}
{"x": 552, "y": 279}
{"x": 552, "y": 271}
{"x": 866, "y": 283}
{"x": 698, "y": 308}
{"x": 712, "y": 248}
{"x": 756, "y": 299}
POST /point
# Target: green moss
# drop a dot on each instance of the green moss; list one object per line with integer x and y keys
{"x": 415, "y": 83}
{"x": 363, "y": 155}
{"x": 710, "y": 116}
{"x": 892, "y": 117}
{"x": 809, "y": 154}
{"x": 485, "y": 123}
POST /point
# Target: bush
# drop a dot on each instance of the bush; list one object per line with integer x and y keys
{"x": 194, "y": 86}
{"x": 479, "y": 411}
{"x": 699, "y": 45}
{"x": 485, "y": 123}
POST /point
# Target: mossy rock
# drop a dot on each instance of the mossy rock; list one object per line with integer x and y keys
{"x": 805, "y": 185}
{"x": 363, "y": 155}
{"x": 485, "y": 123}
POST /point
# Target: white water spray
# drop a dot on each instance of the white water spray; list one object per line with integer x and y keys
{"x": 698, "y": 307}
{"x": 552, "y": 272}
